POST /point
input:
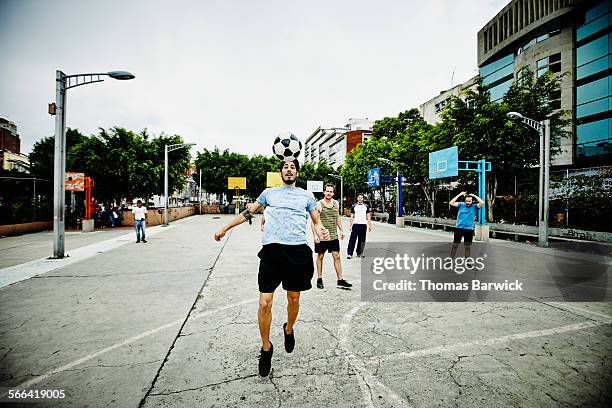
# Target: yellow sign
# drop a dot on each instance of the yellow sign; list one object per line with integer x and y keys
{"x": 273, "y": 179}
{"x": 74, "y": 181}
{"x": 234, "y": 183}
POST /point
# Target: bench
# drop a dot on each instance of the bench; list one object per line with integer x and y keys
{"x": 380, "y": 216}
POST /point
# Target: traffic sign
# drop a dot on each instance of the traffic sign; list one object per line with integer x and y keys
{"x": 74, "y": 181}
{"x": 314, "y": 186}
{"x": 374, "y": 177}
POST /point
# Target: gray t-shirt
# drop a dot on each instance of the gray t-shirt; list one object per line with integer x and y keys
{"x": 286, "y": 214}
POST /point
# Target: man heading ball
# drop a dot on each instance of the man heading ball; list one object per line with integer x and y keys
{"x": 285, "y": 256}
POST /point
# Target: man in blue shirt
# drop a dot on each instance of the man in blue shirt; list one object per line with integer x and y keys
{"x": 285, "y": 256}
{"x": 464, "y": 227}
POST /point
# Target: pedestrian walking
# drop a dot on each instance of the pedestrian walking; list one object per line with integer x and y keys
{"x": 359, "y": 224}
{"x": 140, "y": 220}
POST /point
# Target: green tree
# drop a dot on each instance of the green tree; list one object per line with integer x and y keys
{"x": 259, "y": 166}
{"x": 365, "y": 156}
{"x": 316, "y": 172}
{"x": 43, "y": 151}
{"x": 216, "y": 166}
{"x": 482, "y": 130}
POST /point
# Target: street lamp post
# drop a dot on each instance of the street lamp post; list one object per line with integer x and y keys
{"x": 399, "y": 213}
{"x": 543, "y": 128}
{"x": 169, "y": 148}
{"x": 200, "y": 191}
{"x": 64, "y": 82}
{"x": 341, "y": 191}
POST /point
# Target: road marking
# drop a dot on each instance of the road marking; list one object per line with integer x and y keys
{"x": 18, "y": 273}
{"x": 487, "y": 342}
{"x": 365, "y": 379}
{"x": 75, "y": 363}
{"x": 566, "y": 305}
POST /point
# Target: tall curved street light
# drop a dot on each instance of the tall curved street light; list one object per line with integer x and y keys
{"x": 169, "y": 148}
{"x": 64, "y": 82}
{"x": 543, "y": 128}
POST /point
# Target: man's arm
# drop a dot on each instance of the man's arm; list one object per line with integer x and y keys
{"x": 454, "y": 202}
{"x": 239, "y": 219}
{"x": 369, "y": 218}
{"x": 312, "y": 227}
{"x": 339, "y": 224}
{"x": 320, "y": 230}
{"x": 351, "y": 221}
{"x": 480, "y": 201}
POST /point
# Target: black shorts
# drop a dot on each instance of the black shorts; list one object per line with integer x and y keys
{"x": 467, "y": 235}
{"x": 329, "y": 246}
{"x": 290, "y": 264}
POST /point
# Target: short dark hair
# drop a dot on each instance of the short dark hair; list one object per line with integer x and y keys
{"x": 360, "y": 194}
{"x": 296, "y": 162}
{"x": 139, "y": 202}
{"x": 329, "y": 185}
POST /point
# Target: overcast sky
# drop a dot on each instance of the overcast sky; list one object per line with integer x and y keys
{"x": 232, "y": 74}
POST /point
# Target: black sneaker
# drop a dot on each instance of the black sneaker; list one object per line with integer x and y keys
{"x": 137, "y": 241}
{"x": 289, "y": 340}
{"x": 349, "y": 256}
{"x": 265, "y": 361}
{"x": 320, "y": 283}
{"x": 344, "y": 284}
{"x": 144, "y": 240}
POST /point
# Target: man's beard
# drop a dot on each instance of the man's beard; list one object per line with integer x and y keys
{"x": 287, "y": 180}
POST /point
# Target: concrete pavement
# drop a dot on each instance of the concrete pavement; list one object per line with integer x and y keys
{"x": 173, "y": 323}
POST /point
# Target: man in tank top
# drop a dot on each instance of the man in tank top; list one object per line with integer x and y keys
{"x": 330, "y": 218}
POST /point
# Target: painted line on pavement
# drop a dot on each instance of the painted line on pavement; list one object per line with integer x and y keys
{"x": 27, "y": 270}
{"x": 566, "y": 305}
{"x": 88, "y": 357}
{"x": 488, "y": 342}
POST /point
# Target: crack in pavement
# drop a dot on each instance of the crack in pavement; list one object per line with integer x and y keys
{"x": 6, "y": 354}
{"x": 189, "y": 314}
{"x": 155, "y": 394}
{"x": 278, "y": 392}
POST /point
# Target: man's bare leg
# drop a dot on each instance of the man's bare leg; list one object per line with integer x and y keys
{"x": 454, "y": 249}
{"x": 466, "y": 248}
{"x": 264, "y": 318}
{"x": 320, "y": 265}
{"x": 337, "y": 264}
{"x": 293, "y": 307}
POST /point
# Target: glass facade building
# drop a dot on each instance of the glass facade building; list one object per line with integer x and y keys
{"x": 498, "y": 76}
{"x": 594, "y": 81}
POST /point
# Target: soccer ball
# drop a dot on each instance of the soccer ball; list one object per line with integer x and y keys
{"x": 287, "y": 147}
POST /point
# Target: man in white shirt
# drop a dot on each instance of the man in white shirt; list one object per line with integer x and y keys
{"x": 360, "y": 217}
{"x": 140, "y": 217}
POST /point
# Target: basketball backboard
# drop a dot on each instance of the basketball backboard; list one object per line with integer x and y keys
{"x": 444, "y": 163}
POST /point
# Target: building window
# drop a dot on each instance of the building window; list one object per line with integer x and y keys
{"x": 551, "y": 63}
{"x": 439, "y": 107}
{"x": 546, "y": 36}
{"x": 554, "y": 100}
{"x": 593, "y": 138}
